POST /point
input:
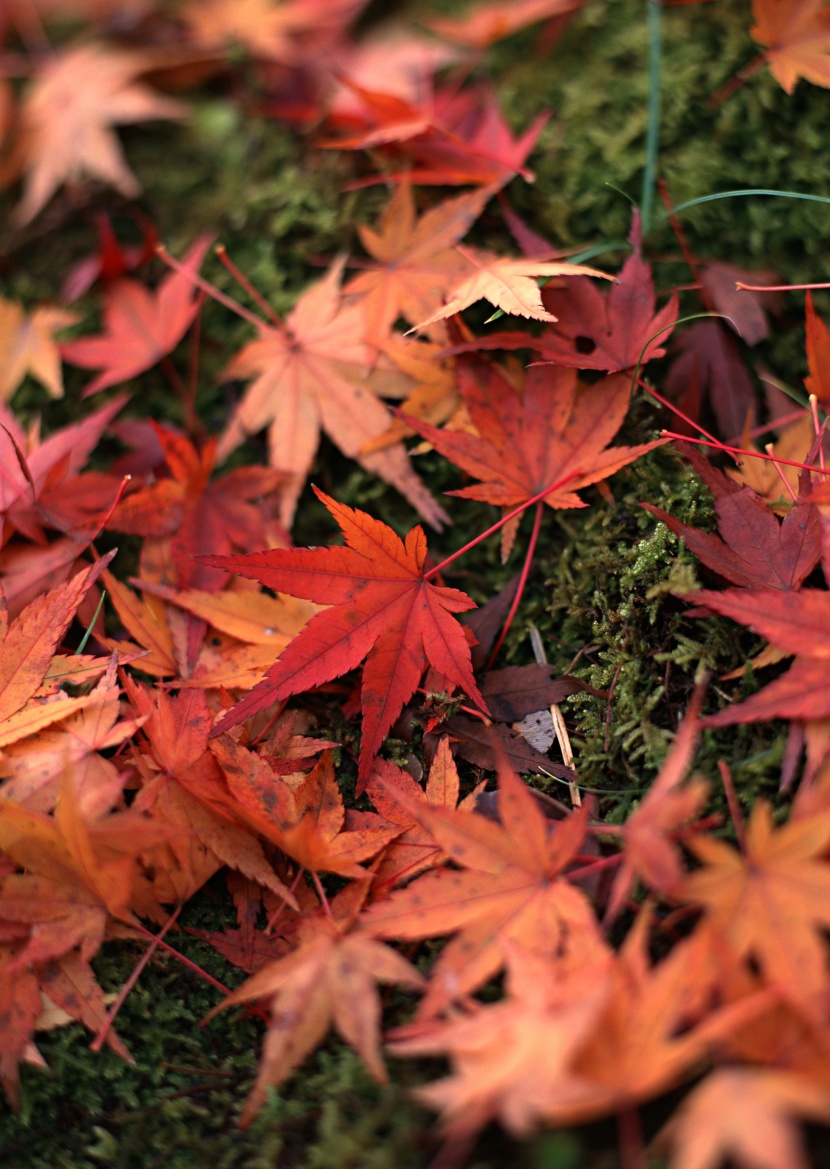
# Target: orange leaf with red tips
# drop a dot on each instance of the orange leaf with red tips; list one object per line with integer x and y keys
{"x": 415, "y": 260}
{"x": 329, "y": 979}
{"x": 308, "y": 822}
{"x": 553, "y": 430}
{"x": 512, "y": 885}
{"x": 310, "y": 374}
{"x": 796, "y": 38}
{"x": 381, "y": 608}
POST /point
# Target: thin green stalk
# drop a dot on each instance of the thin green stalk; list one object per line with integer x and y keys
{"x": 655, "y": 64}
{"x": 741, "y": 194}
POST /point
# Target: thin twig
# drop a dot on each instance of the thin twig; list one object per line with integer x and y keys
{"x": 105, "y": 1028}
{"x": 514, "y": 606}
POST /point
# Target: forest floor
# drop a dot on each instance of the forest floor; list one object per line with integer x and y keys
{"x": 602, "y": 586}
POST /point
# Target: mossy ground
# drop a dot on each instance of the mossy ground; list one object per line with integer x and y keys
{"x": 601, "y": 583}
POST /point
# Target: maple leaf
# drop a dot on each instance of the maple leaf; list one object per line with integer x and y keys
{"x": 27, "y": 645}
{"x": 195, "y": 514}
{"x": 818, "y": 355}
{"x": 573, "y": 1041}
{"x": 41, "y": 482}
{"x": 745, "y": 1115}
{"x": 649, "y": 851}
{"x": 306, "y": 822}
{"x": 414, "y": 850}
{"x": 595, "y": 331}
{"x": 511, "y": 886}
{"x": 771, "y": 902}
{"x": 79, "y": 871}
{"x": 33, "y": 770}
{"x": 311, "y": 374}
{"x": 512, "y": 1058}
{"x": 530, "y": 440}
{"x": 453, "y": 137}
{"x": 28, "y": 346}
{"x": 182, "y": 786}
{"x": 796, "y": 623}
{"x": 77, "y": 95}
{"x": 381, "y": 606}
{"x": 329, "y": 979}
{"x": 141, "y": 327}
{"x": 796, "y": 38}
{"x": 709, "y": 366}
{"x": 415, "y": 259}
{"x": 508, "y": 284}
{"x": 488, "y": 23}
{"x": 288, "y": 31}
{"x": 755, "y": 551}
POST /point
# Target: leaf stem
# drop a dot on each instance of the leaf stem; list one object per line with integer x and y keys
{"x": 105, "y": 1028}
{"x": 242, "y": 280}
{"x": 210, "y": 289}
{"x": 741, "y": 287}
{"x": 193, "y": 966}
{"x": 736, "y": 450}
{"x": 505, "y": 519}
{"x": 520, "y": 588}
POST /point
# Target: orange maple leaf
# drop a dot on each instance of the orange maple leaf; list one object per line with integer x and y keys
{"x": 745, "y": 1115}
{"x": 77, "y": 95}
{"x": 28, "y": 345}
{"x": 182, "y": 786}
{"x": 649, "y": 851}
{"x": 512, "y": 885}
{"x": 289, "y": 31}
{"x": 329, "y": 979}
{"x": 416, "y": 263}
{"x": 488, "y": 23}
{"x": 771, "y": 902}
{"x": 508, "y": 284}
{"x": 310, "y": 374}
{"x": 415, "y": 849}
{"x": 308, "y": 822}
{"x": 796, "y": 37}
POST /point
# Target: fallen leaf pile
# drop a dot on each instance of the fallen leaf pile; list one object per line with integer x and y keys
{"x": 184, "y": 717}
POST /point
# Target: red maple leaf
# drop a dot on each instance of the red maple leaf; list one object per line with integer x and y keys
{"x": 382, "y": 608}
{"x": 141, "y": 326}
{"x": 530, "y": 440}
{"x": 755, "y": 551}
{"x": 795, "y": 622}
{"x": 193, "y": 512}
